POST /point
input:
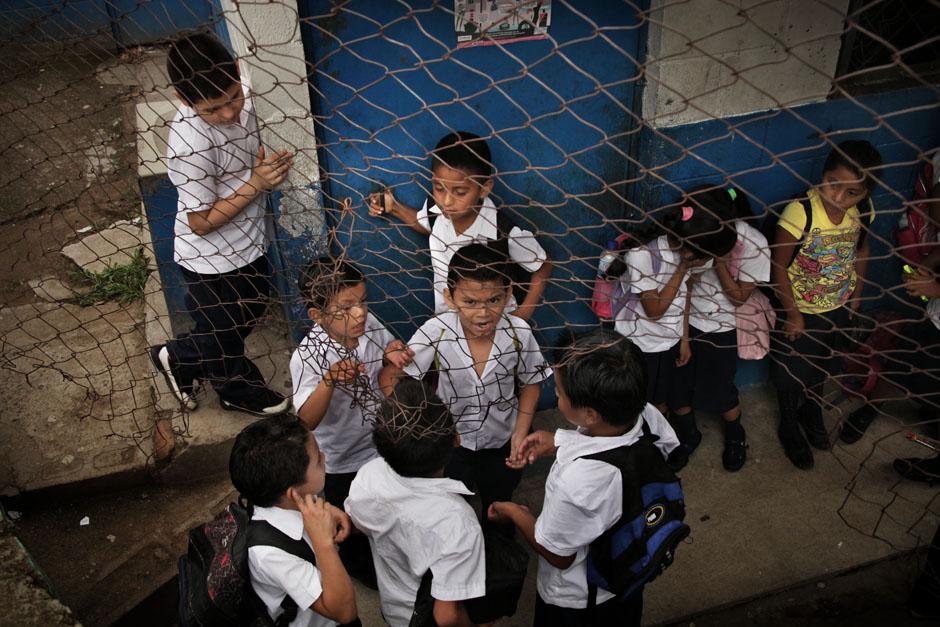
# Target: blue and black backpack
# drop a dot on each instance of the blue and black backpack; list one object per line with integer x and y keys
{"x": 642, "y": 544}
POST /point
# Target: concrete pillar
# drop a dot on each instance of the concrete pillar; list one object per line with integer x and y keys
{"x": 266, "y": 38}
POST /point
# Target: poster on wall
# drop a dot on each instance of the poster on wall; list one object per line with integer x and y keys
{"x": 486, "y": 22}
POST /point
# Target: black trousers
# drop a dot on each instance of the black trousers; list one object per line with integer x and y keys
{"x": 226, "y": 308}
{"x": 617, "y": 613}
{"x": 355, "y": 552}
{"x": 803, "y": 364}
{"x": 485, "y": 471}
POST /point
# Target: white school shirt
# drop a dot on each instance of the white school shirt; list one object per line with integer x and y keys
{"x": 207, "y": 162}
{"x": 345, "y": 433}
{"x": 444, "y": 241}
{"x": 652, "y": 336}
{"x": 711, "y": 310}
{"x": 583, "y": 499}
{"x": 276, "y": 573}
{"x": 415, "y": 524}
{"x": 484, "y": 408}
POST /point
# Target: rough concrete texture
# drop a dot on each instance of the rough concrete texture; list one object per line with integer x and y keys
{"x": 761, "y": 531}
{"x": 52, "y": 289}
{"x": 710, "y": 59}
{"x": 26, "y": 600}
{"x": 75, "y": 392}
{"x": 112, "y": 246}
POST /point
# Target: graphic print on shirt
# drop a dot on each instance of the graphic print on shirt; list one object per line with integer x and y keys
{"x": 823, "y": 273}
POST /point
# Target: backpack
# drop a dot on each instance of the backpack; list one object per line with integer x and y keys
{"x": 642, "y": 544}
{"x": 754, "y": 318}
{"x": 518, "y": 276}
{"x": 214, "y": 582}
{"x": 916, "y": 234}
{"x": 506, "y": 565}
{"x": 609, "y": 297}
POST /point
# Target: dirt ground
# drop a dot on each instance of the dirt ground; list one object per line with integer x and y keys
{"x": 69, "y": 159}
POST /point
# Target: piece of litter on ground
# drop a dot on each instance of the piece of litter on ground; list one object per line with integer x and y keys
{"x": 68, "y": 459}
{"x": 85, "y": 229}
{"x": 14, "y": 515}
{"x": 839, "y": 545}
{"x": 84, "y": 522}
{"x": 111, "y": 538}
{"x": 821, "y": 585}
{"x": 51, "y": 419}
{"x": 86, "y": 107}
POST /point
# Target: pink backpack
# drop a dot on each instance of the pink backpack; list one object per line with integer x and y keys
{"x": 754, "y": 318}
{"x": 609, "y": 298}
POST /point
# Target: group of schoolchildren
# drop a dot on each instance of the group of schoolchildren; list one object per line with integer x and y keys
{"x": 389, "y": 437}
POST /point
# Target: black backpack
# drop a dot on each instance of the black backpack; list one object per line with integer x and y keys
{"x": 214, "y": 582}
{"x": 642, "y": 544}
{"x": 518, "y": 276}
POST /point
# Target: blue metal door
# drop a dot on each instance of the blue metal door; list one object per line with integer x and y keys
{"x": 388, "y": 82}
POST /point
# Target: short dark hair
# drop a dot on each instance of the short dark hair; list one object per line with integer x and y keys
{"x": 859, "y": 156}
{"x": 201, "y": 67}
{"x": 478, "y": 262}
{"x": 464, "y": 151}
{"x": 606, "y": 372}
{"x": 414, "y": 431}
{"x": 269, "y": 456}
{"x": 323, "y": 278}
{"x": 709, "y": 231}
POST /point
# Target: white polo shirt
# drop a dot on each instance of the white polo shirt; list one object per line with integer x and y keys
{"x": 345, "y": 433}
{"x": 583, "y": 499}
{"x": 444, "y": 241}
{"x": 207, "y": 162}
{"x": 484, "y": 408}
{"x": 276, "y": 573}
{"x": 711, "y": 310}
{"x": 415, "y": 524}
{"x": 652, "y": 336}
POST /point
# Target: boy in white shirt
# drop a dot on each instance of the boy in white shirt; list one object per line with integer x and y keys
{"x": 221, "y": 173}
{"x": 460, "y": 212}
{"x": 335, "y": 373}
{"x": 417, "y": 520}
{"x": 601, "y": 385}
{"x": 278, "y": 468}
{"x": 489, "y": 372}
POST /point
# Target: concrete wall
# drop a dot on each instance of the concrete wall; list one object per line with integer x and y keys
{"x": 712, "y": 59}
{"x": 266, "y": 40}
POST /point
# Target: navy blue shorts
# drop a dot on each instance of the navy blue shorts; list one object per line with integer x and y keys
{"x": 706, "y": 383}
{"x": 660, "y": 370}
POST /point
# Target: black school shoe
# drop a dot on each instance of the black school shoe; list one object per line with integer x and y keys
{"x": 265, "y": 403}
{"x": 735, "y": 453}
{"x": 794, "y": 444}
{"x": 183, "y": 389}
{"x": 857, "y": 423}
{"x": 689, "y": 439}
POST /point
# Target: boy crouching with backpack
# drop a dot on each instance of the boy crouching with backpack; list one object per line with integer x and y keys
{"x": 593, "y": 491}
{"x": 277, "y": 466}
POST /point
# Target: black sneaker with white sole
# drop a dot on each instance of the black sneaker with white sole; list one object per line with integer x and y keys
{"x": 265, "y": 403}
{"x": 182, "y": 389}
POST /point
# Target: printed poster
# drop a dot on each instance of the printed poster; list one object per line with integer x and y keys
{"x": 485, "y": 22}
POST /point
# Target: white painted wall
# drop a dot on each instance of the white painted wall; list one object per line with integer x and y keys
{"x": 711, "y": 59}
{"x": 266, "y": 39}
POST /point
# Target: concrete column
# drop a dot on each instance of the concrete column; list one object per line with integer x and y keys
{"x": 266, "y": 39}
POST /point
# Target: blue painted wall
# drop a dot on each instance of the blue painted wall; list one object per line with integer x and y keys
{"x": 778, "y": 154}
{"x": 388, "y": 85}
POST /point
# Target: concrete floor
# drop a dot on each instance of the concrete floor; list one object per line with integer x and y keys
{"x": 766, "y": 529}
